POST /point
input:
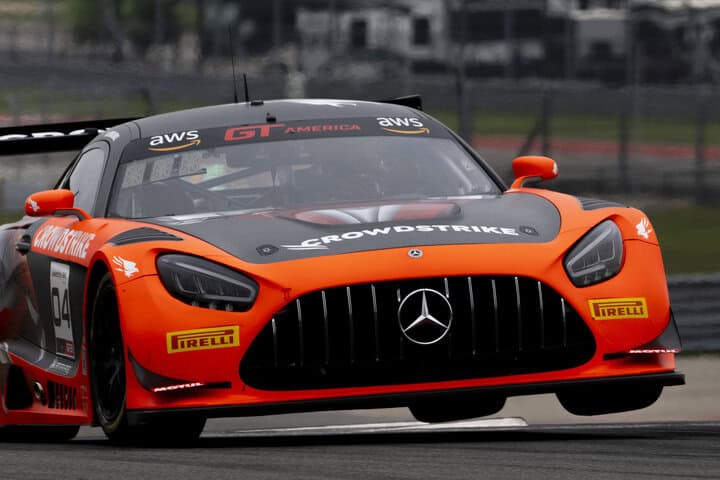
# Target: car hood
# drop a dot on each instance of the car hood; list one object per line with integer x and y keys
{"x": 279, "y": 235}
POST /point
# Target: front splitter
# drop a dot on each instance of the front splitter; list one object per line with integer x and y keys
{"x": 391, "y": 400}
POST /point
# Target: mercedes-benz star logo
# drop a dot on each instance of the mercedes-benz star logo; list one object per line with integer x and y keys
{"x": 415, "y": 253}
{"x": 425, "y": 316}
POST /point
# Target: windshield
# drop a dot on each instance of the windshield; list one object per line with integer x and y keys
{"x": 295, "y": 173}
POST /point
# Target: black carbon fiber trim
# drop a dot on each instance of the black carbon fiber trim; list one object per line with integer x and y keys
{"x": 150, "y": 380}
{"x": 139, "y": 417}
{"x": 143, "y": 234}
{"x": 595, "y": 203}
{"x": 511, "y": 218}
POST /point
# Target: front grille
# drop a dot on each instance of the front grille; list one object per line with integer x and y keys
{"x": 350, "y": 336}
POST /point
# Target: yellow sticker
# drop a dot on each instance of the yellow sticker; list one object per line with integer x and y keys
{"x": 618, "y": 308}
{"x": 203, "y": 339}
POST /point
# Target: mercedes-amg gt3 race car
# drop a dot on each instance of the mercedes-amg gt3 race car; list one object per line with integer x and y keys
{"x": 297, "y": 255}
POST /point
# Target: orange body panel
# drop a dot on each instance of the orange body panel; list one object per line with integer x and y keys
{"x": 149, "y": 313}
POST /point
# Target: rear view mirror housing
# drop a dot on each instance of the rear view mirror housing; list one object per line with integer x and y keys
{"x": 533, "y": 167}
{"x": 53, "y": 202}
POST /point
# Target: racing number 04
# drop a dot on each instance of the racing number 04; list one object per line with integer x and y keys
{"x": 60, "y": 309}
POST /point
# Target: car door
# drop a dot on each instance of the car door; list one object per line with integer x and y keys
{"x": 57, "y": 262}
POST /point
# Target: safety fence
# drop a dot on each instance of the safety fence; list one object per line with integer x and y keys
{"x": 695, "y": 301}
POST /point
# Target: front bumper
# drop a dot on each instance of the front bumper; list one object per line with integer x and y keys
{"x": 149, "y": 324}
{"x": 139, "y": 417}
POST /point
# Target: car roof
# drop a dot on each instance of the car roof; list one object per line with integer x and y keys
{"x": 248, "y": 113}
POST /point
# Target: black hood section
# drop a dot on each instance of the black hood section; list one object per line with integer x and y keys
{"x": 275, "y": 236}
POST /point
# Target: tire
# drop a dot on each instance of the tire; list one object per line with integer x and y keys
{"x": 108, "y": 381}
{"x": 601, "y": 401}
{"x": 455, "y": 408}
{"x": 39, "y": 434}
{"x": 107, "y": 362}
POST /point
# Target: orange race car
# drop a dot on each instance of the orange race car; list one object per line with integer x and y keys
{"x": 297, "y": 255}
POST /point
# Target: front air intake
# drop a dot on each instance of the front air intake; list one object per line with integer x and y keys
{"x": 455, "y": 328}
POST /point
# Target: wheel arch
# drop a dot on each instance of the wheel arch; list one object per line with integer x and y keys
{"x": 97, "y": 272}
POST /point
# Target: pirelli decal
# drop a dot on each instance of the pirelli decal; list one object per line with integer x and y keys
{"x": 618, "y": 308}
{"x": 203, "y": 339}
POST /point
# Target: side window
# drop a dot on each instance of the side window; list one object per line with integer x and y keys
{"x": 85, "y": 178}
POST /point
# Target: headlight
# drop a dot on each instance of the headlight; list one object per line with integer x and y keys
{"x": 202, "y": 283}
{"x": 597, "y": 256}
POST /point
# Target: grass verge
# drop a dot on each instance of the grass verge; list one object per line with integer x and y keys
{"x": 587, "y": 127}
{"x": 689, "y": 238}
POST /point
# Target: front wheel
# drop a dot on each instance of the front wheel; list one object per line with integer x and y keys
{"x": 107, "y": 362}
{"x": 108, "y": 380}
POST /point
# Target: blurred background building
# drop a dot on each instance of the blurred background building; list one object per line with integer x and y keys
{"x": 622, "y": 93}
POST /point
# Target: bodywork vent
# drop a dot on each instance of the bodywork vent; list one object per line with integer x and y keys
{"x": 144, "y": 234}
{"x": 595, "y": 204}
{"x": 61, "y": 397}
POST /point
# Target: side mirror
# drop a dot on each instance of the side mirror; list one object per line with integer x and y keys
{"x": 47, "y": 202}
{"x": 533, "y": 167}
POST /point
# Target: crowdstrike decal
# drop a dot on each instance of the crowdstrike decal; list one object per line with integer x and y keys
{"x": 53, "y": 239}
{"x": 34, "y": 205}
{"x": 112, "y": 135}
{"x": 643, "y": 228}
{"x": 125, "y": 266}
{"x": 322, "y": 243}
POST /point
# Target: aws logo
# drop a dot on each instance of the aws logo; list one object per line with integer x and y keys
{"x": 403, "y": 125}
{"x": 189, "y": 139}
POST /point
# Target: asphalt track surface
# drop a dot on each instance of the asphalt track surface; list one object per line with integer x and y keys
{"x": 598, "y": 451}
{"x": 531, "y": 438}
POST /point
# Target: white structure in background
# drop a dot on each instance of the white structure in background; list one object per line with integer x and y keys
{"x": 366, "y": 38}
{"x": 599, "y": 30}
{"x": 372, "y": 31}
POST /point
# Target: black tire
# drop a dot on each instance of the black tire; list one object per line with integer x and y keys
{"x": 39, "y": 434}
{"x": 108, "y": 381}
{"x": 107, "y": 362}
{"x": 455, "y": 408}
{"x": 604, "y": 400}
